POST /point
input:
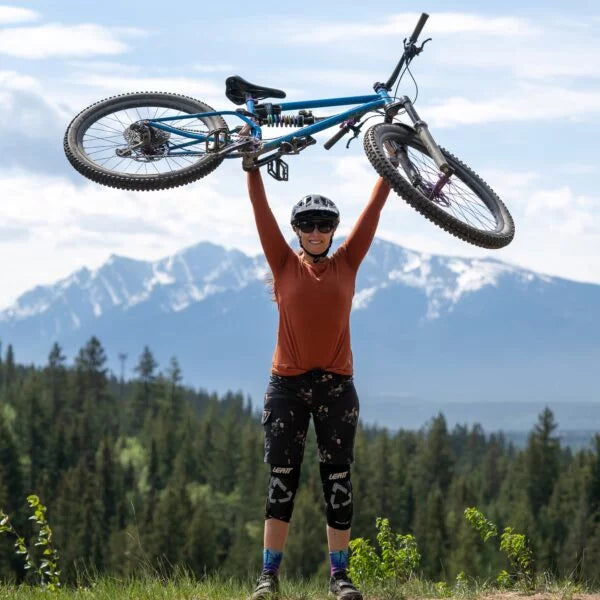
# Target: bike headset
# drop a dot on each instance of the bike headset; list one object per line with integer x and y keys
{"x": 315, "y": 207}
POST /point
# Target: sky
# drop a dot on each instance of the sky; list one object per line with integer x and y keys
{"x": 513, "y": 89}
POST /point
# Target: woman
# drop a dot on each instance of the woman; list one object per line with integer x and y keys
{"x": 311, "y": 371}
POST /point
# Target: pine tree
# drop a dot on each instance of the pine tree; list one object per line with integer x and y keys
{"x": 144, "y": 400}
{"x": 35, "y": 428}
{"x": 9, "y": 366}
{"x": 11, "y": 495}
{"x": 56, "y": 377}
{"x": 542, "y": 460}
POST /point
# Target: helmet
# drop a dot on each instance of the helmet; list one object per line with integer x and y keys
{"x": 315, "y": 206}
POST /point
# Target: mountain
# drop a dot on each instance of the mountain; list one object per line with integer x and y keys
{"x": 477, "y": 338}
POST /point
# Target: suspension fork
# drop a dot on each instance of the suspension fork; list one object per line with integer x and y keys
{"x": 426, "y": 138}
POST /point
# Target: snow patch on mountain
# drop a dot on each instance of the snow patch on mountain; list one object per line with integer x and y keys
{"x": 176, "y": 282}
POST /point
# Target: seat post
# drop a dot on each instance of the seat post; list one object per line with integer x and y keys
{"x": 249, "y": 102}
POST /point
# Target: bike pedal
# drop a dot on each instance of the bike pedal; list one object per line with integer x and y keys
{"x": 216, "y": 140}
{"x": 278, "y": 169}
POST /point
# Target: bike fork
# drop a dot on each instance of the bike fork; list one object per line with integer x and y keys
{"x": 426, "y": 137}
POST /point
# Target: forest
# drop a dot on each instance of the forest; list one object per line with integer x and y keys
{"x": 150, "y": 471}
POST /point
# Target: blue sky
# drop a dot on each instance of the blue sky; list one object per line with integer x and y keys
{"x": 511, "y": 88}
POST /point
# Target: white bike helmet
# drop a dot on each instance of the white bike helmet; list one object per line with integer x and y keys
{"x": 315, "y": 206}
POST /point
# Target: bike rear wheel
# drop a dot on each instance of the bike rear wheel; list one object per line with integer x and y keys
{"x": 109, "y": 143}
{"x": 464, "y": 206}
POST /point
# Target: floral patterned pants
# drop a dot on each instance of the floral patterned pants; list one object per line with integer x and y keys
{"x": 332, "y": 401}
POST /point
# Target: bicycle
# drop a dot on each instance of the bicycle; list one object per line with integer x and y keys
{"x": 152, "y": 141}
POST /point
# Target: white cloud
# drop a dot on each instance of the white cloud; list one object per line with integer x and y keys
{"x": 402, "y": 25}
{"x": 203, "y": 89}
{"x": 105, "y": 66}
{"x": 526, "y": 103}
{"x": 213, "y": 68}
{"x": 14, "y": 14}
{"x": 55, "y": 39}
{"x": 539, "y": 60}
{"x": 25, "y": 106}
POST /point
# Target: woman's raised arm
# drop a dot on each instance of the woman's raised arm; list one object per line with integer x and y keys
{"x": 275, "y": 247}
{"x": 360, "y": 238}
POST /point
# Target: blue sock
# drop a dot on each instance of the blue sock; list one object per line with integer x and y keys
{"x": 338, "y": 561}
{"x": 272, "y": 560}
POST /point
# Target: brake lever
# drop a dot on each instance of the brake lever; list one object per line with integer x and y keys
{"x": 420, "y": 49}
{"x": 356, "y": 130}
{"x": 411, "y": 49}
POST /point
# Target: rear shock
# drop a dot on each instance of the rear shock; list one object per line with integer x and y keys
{"x": 270, "y": 115}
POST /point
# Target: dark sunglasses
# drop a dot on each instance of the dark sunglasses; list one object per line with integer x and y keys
{"x": 309, "y": 226}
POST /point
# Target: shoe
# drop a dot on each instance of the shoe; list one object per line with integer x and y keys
{"x": 341, "y": 587}
{"x": 267, "y": 587}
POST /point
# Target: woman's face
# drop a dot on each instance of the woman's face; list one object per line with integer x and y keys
{"x": 312, "y": 239}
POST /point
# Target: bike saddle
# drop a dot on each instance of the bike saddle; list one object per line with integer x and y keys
{"x": 236, "y": 89}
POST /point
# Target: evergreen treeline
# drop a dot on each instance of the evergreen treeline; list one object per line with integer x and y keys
{"x": 151, "y": 472}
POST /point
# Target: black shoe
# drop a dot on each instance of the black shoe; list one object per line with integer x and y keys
{"x": 341, "y": 586}
{"x": 267, "y": 587}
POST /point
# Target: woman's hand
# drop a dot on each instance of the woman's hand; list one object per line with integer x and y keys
{"x": 247, "y": 161}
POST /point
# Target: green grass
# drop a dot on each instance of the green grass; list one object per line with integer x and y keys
{"x": 182, "y": 586}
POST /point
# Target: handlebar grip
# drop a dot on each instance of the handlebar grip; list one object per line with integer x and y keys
{"x": 336, "y": 138}
{"x": 422, "y": 20}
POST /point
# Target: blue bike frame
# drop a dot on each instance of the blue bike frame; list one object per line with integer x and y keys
{"x": 365, "y": 105}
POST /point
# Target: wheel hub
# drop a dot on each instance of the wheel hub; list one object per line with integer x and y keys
{"x": 144, "y": 143}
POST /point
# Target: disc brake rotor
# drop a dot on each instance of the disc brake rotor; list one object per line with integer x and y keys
{"x": 144, "y": 143}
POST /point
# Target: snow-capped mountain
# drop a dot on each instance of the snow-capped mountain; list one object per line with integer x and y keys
{"x": 426, "y": 328}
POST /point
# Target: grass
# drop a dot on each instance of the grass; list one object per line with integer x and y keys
{"x": 183, "y": 586}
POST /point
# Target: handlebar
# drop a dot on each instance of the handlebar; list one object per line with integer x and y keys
{"x": 336, "y": 138}
{"x": 413, "y": 38}
{"x": 417, "y": 32}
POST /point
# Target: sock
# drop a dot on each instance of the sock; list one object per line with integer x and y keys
{"x": 338, "y": 561}
{"x": 272, "y": 560}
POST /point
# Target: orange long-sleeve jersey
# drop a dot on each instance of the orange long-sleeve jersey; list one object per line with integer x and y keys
{"x": 314, "y": 299}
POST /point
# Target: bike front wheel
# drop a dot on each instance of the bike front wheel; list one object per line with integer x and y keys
{"x": 464, "y": 205}
{"x": 110, "y": 142}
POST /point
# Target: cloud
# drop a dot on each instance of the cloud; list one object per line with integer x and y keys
{"x": 13, "y": 14}
{"x": 213, "y": 68}
{"x": 527, "y": 103}
{"x": 105, "y": 66}
{"x": 203, "y": 89}
{"x": 32, "y": 125}
{"x": 539, "y": 57}
{"x": 55, "y": 39}
{"x": 401, "y": 25}
{"x": 113, "y": 223}
{"x": 11, "y": 234}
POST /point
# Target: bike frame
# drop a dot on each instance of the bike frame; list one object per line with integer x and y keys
{"x": 365, "y": 105}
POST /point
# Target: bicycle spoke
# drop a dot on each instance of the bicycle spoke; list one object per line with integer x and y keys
{"x": 101, "y": 140}
{"x": 463, "y": 203}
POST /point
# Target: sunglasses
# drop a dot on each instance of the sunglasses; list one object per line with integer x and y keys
{"x": 309, "y": 226}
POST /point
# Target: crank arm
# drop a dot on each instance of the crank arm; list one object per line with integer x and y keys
{"x": 232, "y": 148}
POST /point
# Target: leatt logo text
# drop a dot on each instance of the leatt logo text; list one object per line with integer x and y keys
{"x": 282, "y": 470}
{"x": 335, "y": 476}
